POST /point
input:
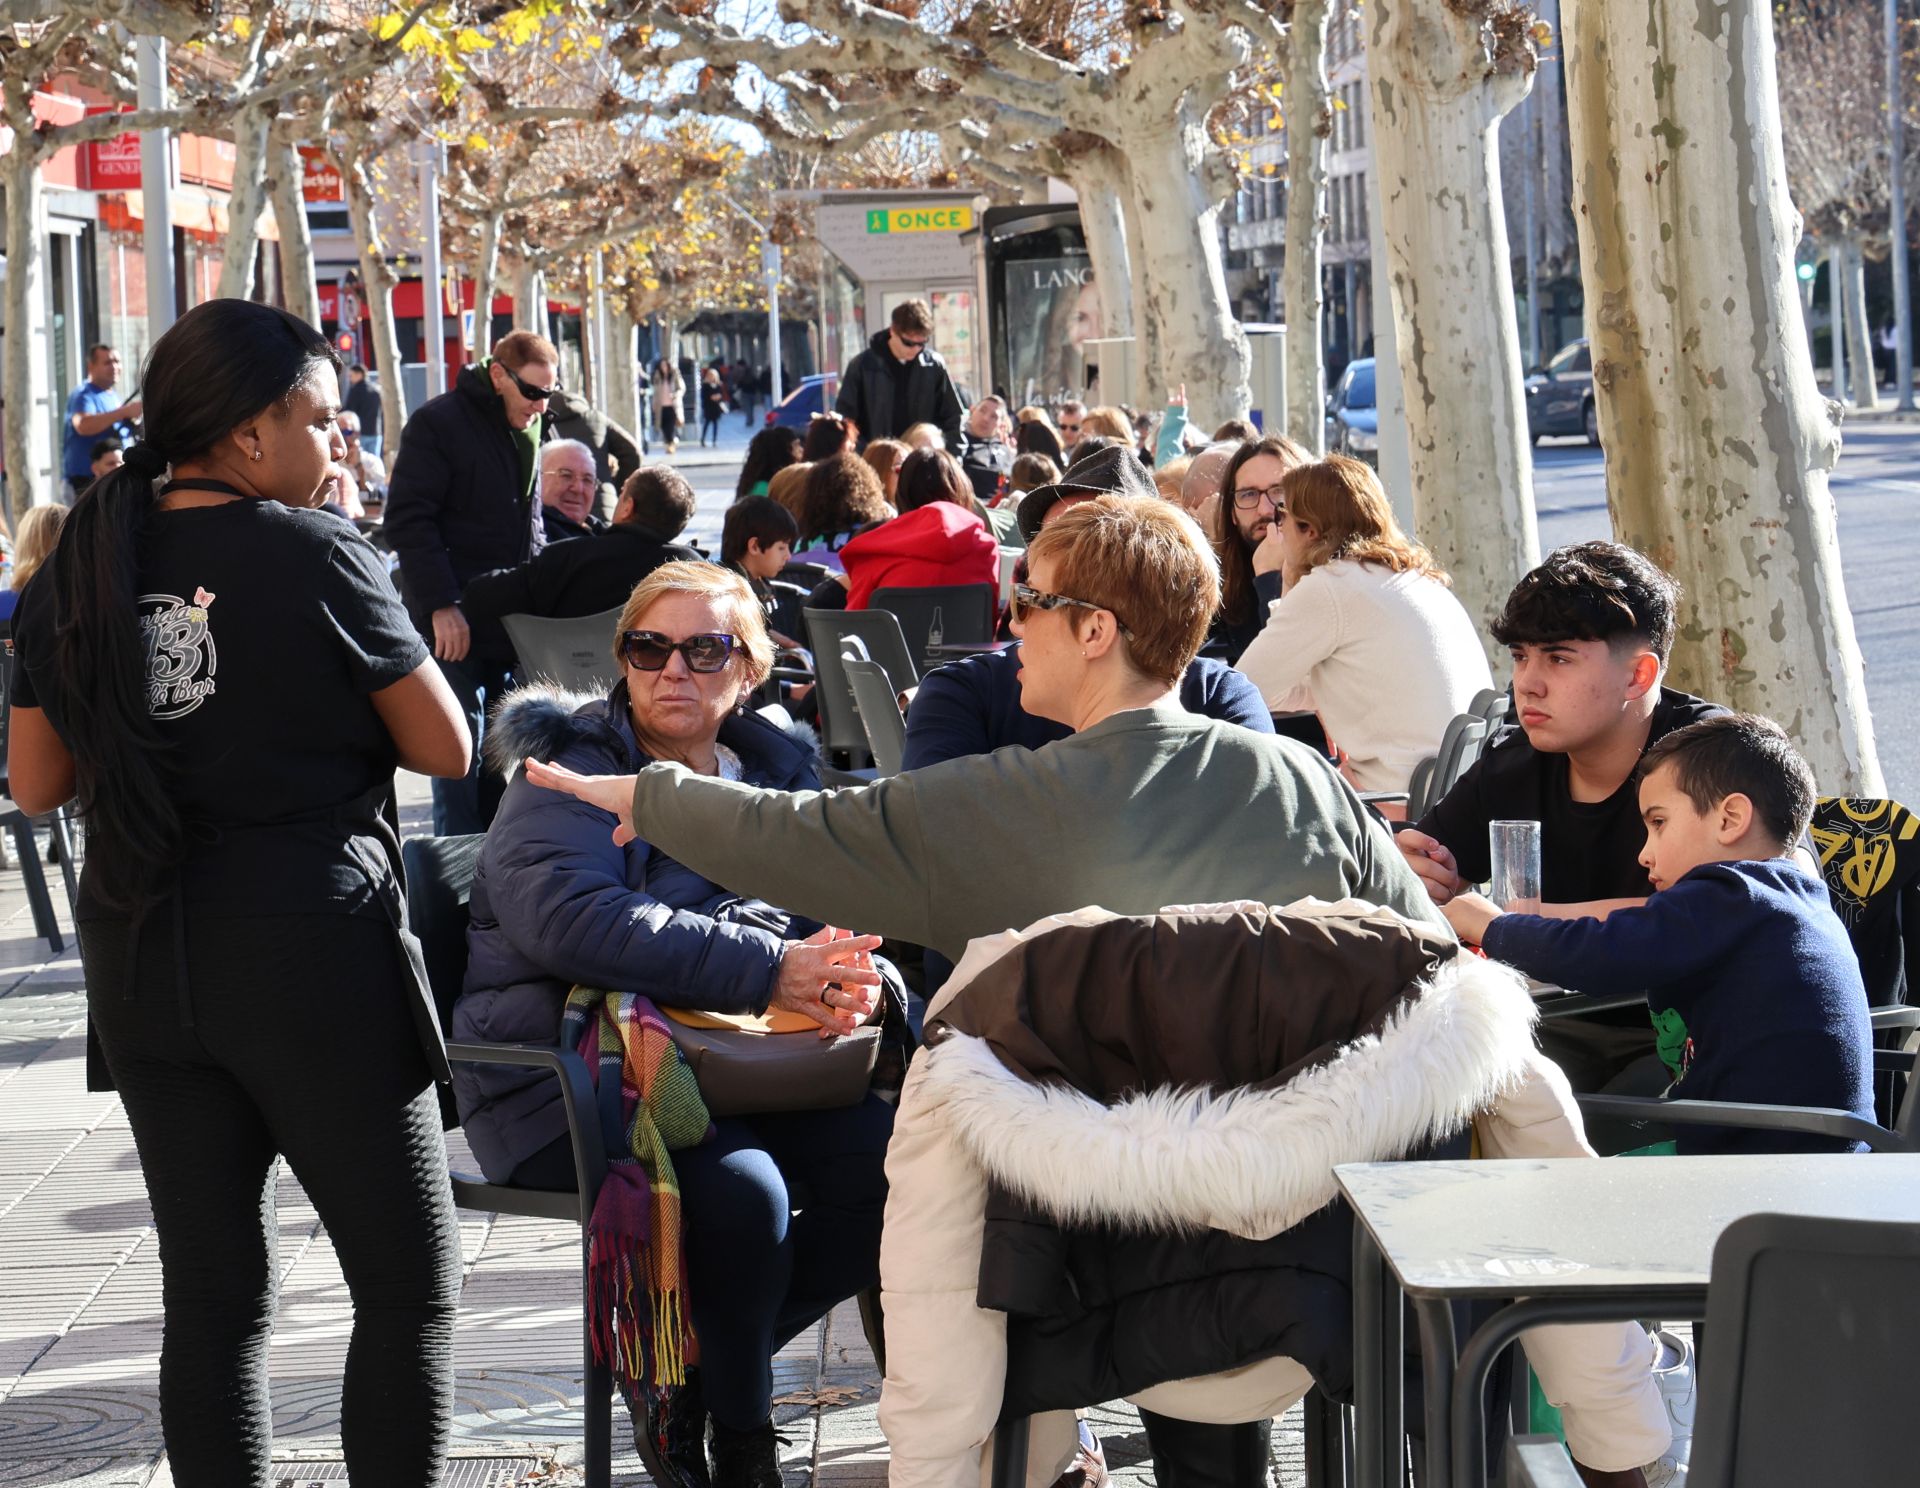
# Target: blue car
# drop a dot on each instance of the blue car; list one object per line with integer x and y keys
{"x": 1353, "y": 420}
{"x": 814, "y": 395}
{"x": 1560, "y": 398}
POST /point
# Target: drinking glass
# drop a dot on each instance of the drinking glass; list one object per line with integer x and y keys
{"x": 1515, "y": 848}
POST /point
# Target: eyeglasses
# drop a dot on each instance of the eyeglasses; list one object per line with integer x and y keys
{"x": 527, "y": 390}
{"x": 1066, "y": 428}
{"x": 1248, "y": 497}
{"x": 649, "y": 651}
{"x": 1026, "y": 597}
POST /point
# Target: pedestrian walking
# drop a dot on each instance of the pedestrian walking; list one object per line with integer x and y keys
{"x": 713, "y": 403}
{"x": 669, "y": 391}
{"x": 225, "y": 682}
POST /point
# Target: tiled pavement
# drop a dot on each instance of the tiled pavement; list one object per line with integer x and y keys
{"x": 80, "y": 1300}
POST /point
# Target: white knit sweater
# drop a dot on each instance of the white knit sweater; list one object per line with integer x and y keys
{"x": 1386, "y": 659}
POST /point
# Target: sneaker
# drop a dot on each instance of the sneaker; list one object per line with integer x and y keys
{"x": 746, "y": 1459}
{"x": 1089, "y": 1466}
{"x": 1674, "y": 1376}
{"x": 1666, "y": 1473}
{"x": 670, "y": 1434}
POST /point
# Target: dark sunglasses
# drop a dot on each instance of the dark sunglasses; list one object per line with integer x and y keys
{"x": 649, "y": 651}
{"x": 908, "y": 341}
{"x": 1026, "y": 597}
{"x": 527, "y": 390}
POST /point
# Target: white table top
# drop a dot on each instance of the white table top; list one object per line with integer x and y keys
{"x": 1533, "y": 1227}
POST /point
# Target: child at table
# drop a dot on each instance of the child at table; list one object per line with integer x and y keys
{"x": 1753, "y": 985}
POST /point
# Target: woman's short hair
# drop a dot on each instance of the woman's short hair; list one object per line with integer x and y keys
{"x": 842, "y": 495}
{"x": 930, "y": 475}
{"x": 724, "y": 588}
{"x": 827, "y": 435}
{"x": 788, "y": 486}
{"x": 39, "y": 530}
{"x": 1146, "y": 561}
{"x": 1236, "y": 429}
{"x": 1109, "y": 421}
{"x": 924, "y": 436}
{"x": 758, "y": 519}
{"x": 886, "y": 457}
{"x": 1030, "y": 472}
{"x": 1344, "y": 502}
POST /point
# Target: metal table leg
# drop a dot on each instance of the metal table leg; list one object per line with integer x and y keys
{"x": 1369, "y": 1408}
{"x": 1436, "y": 1368}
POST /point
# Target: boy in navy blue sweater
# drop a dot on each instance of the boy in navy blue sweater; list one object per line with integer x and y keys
{"x": 1754, "y": 988}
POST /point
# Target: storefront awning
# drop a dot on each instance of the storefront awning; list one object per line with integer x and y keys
{"x": 194, "y": 209}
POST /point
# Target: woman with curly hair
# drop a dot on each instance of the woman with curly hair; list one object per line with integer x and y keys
{"x": 842, "y": 497}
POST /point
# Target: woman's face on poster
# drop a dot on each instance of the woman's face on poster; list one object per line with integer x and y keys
{"x": 1087, "y": 323}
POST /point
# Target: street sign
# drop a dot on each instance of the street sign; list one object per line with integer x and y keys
{"x": 919, "y": 219}
{"x": 111, "y": 164}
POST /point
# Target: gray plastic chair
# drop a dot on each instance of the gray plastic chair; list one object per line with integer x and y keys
{"x": 880, "y": 716}
{"x": 864, "y": 635}
{"x": 949, "y": 614}
{"x": 574, "y": 654}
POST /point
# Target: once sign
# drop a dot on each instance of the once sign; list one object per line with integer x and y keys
{"x": 920, "y": 219}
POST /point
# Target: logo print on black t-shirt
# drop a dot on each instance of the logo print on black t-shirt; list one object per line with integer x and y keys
{"x": 180, "y": 655}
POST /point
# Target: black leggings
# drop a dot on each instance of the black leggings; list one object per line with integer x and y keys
{"x": 300, "y": 1044}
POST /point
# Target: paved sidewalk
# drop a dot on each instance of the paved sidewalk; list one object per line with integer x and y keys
{"x": 80, "y": 1299}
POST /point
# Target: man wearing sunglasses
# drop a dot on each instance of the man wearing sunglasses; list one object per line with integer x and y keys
{"x": 900, "y": 381}
{"x": 463, "y": 500}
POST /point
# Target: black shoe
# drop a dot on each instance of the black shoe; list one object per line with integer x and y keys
{"x": 670, "y": 1434}
{"x": 746, "y": 1459}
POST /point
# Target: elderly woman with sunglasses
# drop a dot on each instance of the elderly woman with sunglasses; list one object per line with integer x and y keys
{"x": 556, "y": 902}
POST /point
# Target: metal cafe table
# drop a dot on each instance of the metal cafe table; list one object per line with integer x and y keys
{"x": 1580, "y": 1240}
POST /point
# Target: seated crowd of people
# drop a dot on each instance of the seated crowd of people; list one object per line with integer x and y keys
{"x": 1223, "y": 669}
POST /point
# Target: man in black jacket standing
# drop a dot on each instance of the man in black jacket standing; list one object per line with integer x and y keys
{"x": 900, "y": 381}
{"x": 464, "y": 499}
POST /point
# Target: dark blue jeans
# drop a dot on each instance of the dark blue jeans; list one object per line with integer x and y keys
{"x": 759, "y": 1272}
{"x": 465, "y": 806}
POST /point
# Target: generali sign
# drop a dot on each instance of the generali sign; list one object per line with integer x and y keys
{"x": 111, "y": 164}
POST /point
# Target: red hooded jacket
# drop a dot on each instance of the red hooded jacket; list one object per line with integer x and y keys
{"x": 939, "y": 543}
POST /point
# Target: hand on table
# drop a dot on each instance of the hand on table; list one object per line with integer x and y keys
{"x": 1470, "y": 914}
{"x": 612, "y": 793}
{"x": 1432, "y": 862}
{"x": 830, "y": 977}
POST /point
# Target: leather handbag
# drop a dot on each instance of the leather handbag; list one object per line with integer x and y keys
{"x": 758, "y": 1066}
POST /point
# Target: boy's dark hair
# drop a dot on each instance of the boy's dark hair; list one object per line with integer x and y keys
{"x": 755, "y": 517}
{"x": 105, "y": 447}
{"x": 914, "y": 316}
{"x": 1594, "y": 591}
{"x": 1743, "y": 754}
{"x": 663, "y": 502}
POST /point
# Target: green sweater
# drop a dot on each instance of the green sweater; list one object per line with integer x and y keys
{"x": 1149, "y": 808}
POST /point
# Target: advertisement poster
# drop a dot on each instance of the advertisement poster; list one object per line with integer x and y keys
{"x": 1053, "y": 309}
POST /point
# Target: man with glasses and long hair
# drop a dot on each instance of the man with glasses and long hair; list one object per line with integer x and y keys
{"x": 900, "y": 381}
{"x": 464, "y": 499}
{"x": 1250, "y": 500}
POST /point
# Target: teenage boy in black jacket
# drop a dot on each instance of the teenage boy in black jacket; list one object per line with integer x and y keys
{"x": 900, "y": 381}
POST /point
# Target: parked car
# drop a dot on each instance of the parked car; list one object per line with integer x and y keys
{"x": 1353, "y": 420}
{"x": 1560, "y": 399}
{"x": 814, "y": 395}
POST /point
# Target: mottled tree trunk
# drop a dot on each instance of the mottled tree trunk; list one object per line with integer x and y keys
{"x": 1309, "y": 118}
{"x": 248, "y": 198}
{"x": 1718, "y": 442}
{"x": 1099, "y": 179}
{"x": 377, "y": 281}
{"x": 1185, "y": 278}
{"x": 529, "y": 302}
{"x": 622, "y": 404}
{"x": 1437, "y": 103}
{"x": 286, "y": 184}
{"x": 32, "y": 471}
{"x": 486, "y": 269}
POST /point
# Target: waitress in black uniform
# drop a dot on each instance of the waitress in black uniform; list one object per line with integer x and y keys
{"x": 225, "y": 681}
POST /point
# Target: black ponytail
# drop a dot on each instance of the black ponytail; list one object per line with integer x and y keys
{"x": 220, "y": 365}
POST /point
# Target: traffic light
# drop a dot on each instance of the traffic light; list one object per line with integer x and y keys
{"x": 345, "y": 342}
{"x": 1806, "y": 272}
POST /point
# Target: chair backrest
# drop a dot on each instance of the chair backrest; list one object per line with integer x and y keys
{"x": 880, "y": 714}
{"x": 1009, "y": 562}
{"x": 865, "y": 635}
{"x": 1809, "y": 1354}
{"x": 1460, "y": 746}
{"x": 1420, "y": 789}
{"x": 439, "y": 874}
{"x": 575, "y": 654}
{"x": 945, "y": 614}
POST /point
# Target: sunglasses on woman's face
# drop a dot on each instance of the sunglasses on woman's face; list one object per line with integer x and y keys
{"x": 1026, "y": 598}
{"x": 648, "y": 650}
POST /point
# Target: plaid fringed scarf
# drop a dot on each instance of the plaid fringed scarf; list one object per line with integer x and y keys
{"x": 636, "y": 1270}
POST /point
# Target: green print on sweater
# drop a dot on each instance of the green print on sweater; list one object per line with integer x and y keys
{"x": 1671, "y": 1041}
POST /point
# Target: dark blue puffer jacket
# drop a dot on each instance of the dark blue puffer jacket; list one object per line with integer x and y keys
{"x": 555, "y": 903}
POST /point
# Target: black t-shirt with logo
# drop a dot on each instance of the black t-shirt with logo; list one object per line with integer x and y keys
{"x": 1588, "y": 849}
{"x": 267, "y": 632}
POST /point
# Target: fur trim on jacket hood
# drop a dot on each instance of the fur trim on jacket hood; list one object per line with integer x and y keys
{"x": 545, "y": 720}
{"x": 1254, "y": 1160}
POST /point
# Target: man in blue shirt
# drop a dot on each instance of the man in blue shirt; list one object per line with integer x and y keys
{"x": 93, "y": 412}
